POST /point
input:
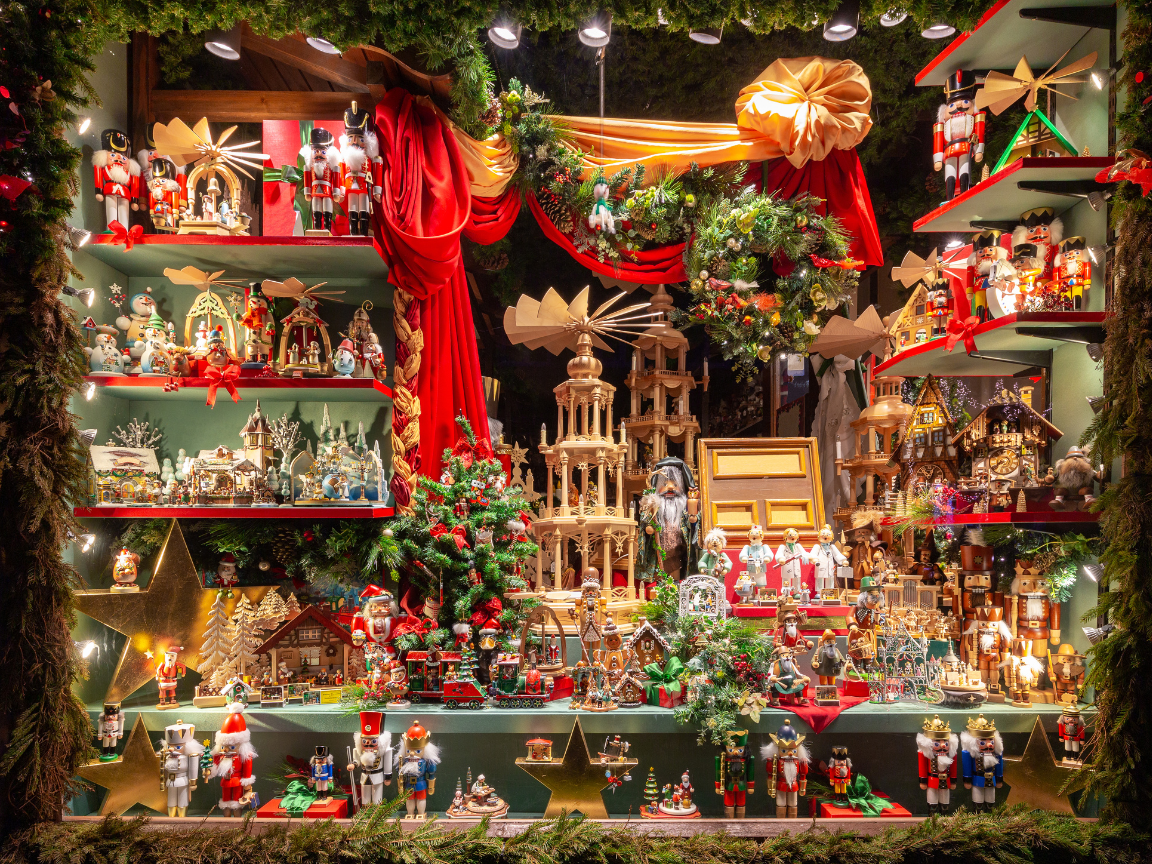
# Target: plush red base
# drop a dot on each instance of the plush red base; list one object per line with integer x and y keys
{"x": 828, "y": 810}
{"x": 333, "y": 808}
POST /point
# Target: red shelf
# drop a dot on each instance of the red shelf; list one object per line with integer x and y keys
{"x": 1009, "y": 518}
{"x": 996, "y": 335}
{"x": 1000, "y": 198}
{"x": 140, "y": 388}
{"x": 333, "y": 512}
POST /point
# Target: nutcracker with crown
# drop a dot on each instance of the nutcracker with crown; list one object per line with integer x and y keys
{"x": 1071, "y": 730}
{"x": 787, "y": 759}
{"x": 983, "y": 761}
{"x": 361, "y": 169}
{"x": 417, "y": 763}
{"x": 109, "y": 730}
{"x": 117, "y": 177}
{"x": 735, "y": 773}
{"x": 840, "y": 773}
{"x": 232, "y": 755}
{"x": 1073, "y": 270}
{"x": 1043, "y": 229}
{"x": 958, "y": 136}
{"x": 179, "y": 765}
{"x": 936, "y": 747}
{"x": 372, "y": 757}
{"x": 321, "y": 176}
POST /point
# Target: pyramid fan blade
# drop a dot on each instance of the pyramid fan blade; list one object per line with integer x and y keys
{"x": 615, "y": 316}
{"x": 869, "y": 320}
{"x": 597, "y": 342}
{"x": 1030, "y": 102}
{"x": 578, "y": 308}
{"x": 201, "y": 131}
{"x": 1059, "y": 60}
{"x": 607, "y": 304}
{"x": 240, "y": 170}
{"x": 527, "y": 311}
{"x": 225, "y": 135}
{"x": 1023, "y": 70}
{"x": 188, "y": 276}
{"x": 1078, "y": 66}
{"x": 553, "y": 309}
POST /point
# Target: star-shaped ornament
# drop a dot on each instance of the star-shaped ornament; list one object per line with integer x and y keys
{"x": 132, "y": 779}
{"x": 1036, "y": 776}
{"x": 172, "y": 612}
{"x": 576, "y": 781}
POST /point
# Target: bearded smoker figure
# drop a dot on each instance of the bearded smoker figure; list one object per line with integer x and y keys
{"x": 668, "y": 517}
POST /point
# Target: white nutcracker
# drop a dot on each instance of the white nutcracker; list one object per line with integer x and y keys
{"x": 790, "y": 556}
{"x": 826, "y": 558}
{"x": 179, "y": 765}
{"x": 372, "y": 754}
{"x": 109, "y": 729}
{"x": 755, "y": 555}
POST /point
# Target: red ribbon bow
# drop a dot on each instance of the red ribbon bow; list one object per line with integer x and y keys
{"x": 126, "y": 237}
{"x": 481, "y": 612}
{"x": 224, "y": 376}
{"x": 526, "y": 518}
{"x": 962, "y": 330}
{"x": 467, "y": 453}
{"x": 412, "y": 624}
{"x": 458, "y": 534}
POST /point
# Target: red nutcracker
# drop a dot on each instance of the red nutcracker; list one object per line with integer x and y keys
{"x": 361, "y": 169}
{"x": 1073, "y": 270}
{"x": 117, "y": 176}
{"x": 936, "y": 749}
{"x": 168, "y": 674}
{"x": 321, "y": 179}
{"x": 958, "y": 135}
{"x": 167, "y": 193}
{"x": 1042, "y": 228}
{"x": 232, "y": 758}
{"x": 940, "y": 305}
{"x": 788, "y": 769}
{"x": 1071, "y": 729}
{"x": 840, "y": 773}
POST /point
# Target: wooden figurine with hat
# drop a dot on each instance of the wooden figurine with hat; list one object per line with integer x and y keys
{"x": 789, "y": 619}
{"x": 958, "y": 135}
{"x": 167, "y": 193}
{"x": 117, "y": 176}
{"x": 361, "y": 169}
{"x": 109, "y": 730}
{"x": 417, "y": 759}
{"x": 790, "y": 556}
{"x": 1043, "y": 229}
{"x": 1073, "y": 270}
{"x": 1021, "y": 674}
{"x": 1066, "y": 671}
{"x": 1031, "y": 612}
{"x": 788, "y": 759}
{"x": 785, "y": 680}
{"x": 372, "y": 755}
{"x": 1073, "y": 479}
{"x": 735, "y": 773}
{"x": 840, "y": 773}
{"x": 982, "y": 761}
{"x": 232, "y": 755}
{"x": 987, "y": 643}
{"x": 168, "y": 672}
{"x": 987, "y": 265}
{"x": 179, "y": 765}
{"x": 1071, "y": 731}
{"x": 344, "y": 359}
{"x": 936, "y": 747}
{"x": 320, "y": 772}
{"x": 868, "y": 613}
{"x": 827, "y": 663}
{"x": 321, "y": 173}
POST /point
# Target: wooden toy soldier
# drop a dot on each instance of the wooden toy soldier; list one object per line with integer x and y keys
{"x": 788, "y": 759}
{"x": 1071, "y": 729}
{"x": 936, "y": 747}
{"x": 827, "y": 559}
{"x": 983, "y": 761}
{"x": 987, "y": 264}
{"x": 1073, "y": 269}
{"x": 110, "y": 729}
{"x": 735, "y": 773}
{"x": 372, "y": 754}
{"x": 321, "y": 169}
{"x": 167, "y": 193}
{"x": 840, "y": 773}
{"x": 417, "y": 769}
{"x": 958, "y": 136}
{"x": 232, "y": 756}
{"x": 790, "y": 556}
{"x": 361, "y": 169}
{"x": 179, "y": 765}
{"x": 320, "y": 772}
{"x": 989, "y": 642}
{"x": 1032, "y": 615}
{"x": 1043, "y": 229}
{"x": 117, "y": 176}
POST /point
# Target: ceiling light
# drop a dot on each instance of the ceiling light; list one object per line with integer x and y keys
{"x": 1096, "y": 635}
{"x": 596, "y": 32}
{"x": 88, "y": 436}
{"x": 844, "y": 23}
{"x": 707, "y": 35}
{"x": 1096, "y": 403}
{"x": 954, "y": 244}
{"x": 322, "y": 45}
{"x": 1093, "y": 571}
{"x": 84, "y": 124}
{"x": 893, "y": 17}
{"x": 938, "y": 30}
{"x": 504, "y": 33}
{"x": 78, "y": 236}
{"x": 223, "y": 43}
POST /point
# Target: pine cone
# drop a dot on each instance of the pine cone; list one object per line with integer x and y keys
{"x": 494, "y": 262}
{"x": 491, "y": 117}
{"x": 556, "y": 210}
{"x": 284, "y": 546}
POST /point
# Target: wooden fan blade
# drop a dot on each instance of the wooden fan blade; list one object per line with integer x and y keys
{"x": 869, "y": 321}
{"x": 527, "y": 311}
{"x": 578, "y": 308}
{"x": 597, "y": 342}
{"x": 617, "y": 315}
{"x": 1078, "y": 66}
{"x": 202, "y": 131}
{"x": 187, "y": 276}
{"x": 607, "y": 304}
{"x": 1030, "y": 102}
{"x": 553, "y": 309}
{"x": 240, "y": 170}
{"x": 1023, "y": 71}
{"x": 225, "y": 135}
{"x": 290, "y": 287}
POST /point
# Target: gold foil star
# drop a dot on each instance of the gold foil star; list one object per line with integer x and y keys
{"x": 1035, "y": 777}
{"x": 132, "y": 779}
{"x": 576, "y": 781}
{"x": 172, "y": 612}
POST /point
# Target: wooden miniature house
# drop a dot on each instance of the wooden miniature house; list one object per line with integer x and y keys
{"x": 539, "y": 750}
{"x": 924, "y": 448}
{"x": 309, "y": 644}
{"x": 257, "y": 437}
{"x": 223, "y": 477}
{"x": 122, "y": 475}
{"x": 1036, "y": 137}
{"x": 1007, "y": 441}
{"x": 647, "y": 645}
{"x": 629, "y": 691}
{"x": 876, "y": 429}
{"x": 913, "y": 324}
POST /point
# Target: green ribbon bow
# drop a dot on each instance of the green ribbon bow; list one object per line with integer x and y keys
{"x": 860, "y": 796}
{"x": 283, "y": 174}
{"x": 667, "y": 677}
{"x": 297, "y": 799}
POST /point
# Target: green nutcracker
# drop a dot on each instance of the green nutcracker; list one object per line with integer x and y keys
{"x": 735, "y": 773}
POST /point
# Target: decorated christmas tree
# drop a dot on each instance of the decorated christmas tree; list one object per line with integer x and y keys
{"x": 217, "y": 644}
{"x": 651, "y": 790}
{"x": 466, "y": 521}
{"x": 467, "y": 668}
{"x": 245, "y": 637}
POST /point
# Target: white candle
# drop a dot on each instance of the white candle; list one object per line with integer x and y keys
{"x": 543, "y": 434}
{"x": 705, "y": 367}
{"x": 633, "y": 361}
{"x": 623, "y": 438}
{"x": 838, "y": 452}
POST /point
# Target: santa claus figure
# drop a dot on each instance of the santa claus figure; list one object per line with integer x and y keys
{"x": 983, "y": 761}
{"x": 958, "y": 136}
{"x": 936, "y": 747}
{"x": 168, "y": 674}
{"x": 321, "y": 171}
{"x": 378, "y": 614}
{"x": 1043, "y": 229}
{"x": 117, "y": 176}
{"x": 361, "y": 169}
{"x": 226, "y": 575}
{"x": 669, "y": 518}
{"x": 787, "y": 759}
{"x": 232, "y": 756}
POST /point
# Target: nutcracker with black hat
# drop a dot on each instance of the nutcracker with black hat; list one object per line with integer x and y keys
{"x": 372, "y": 757}
{"x": 109, "y": 729}
{"x": 321, "y": 173}
{"x": 1071, "y": 731}
{"x": 167, "y": 193}
{"x": 417, "y": 758}
{"x": 788, "y": 759}
{"x": 361, "y": 169}
{"x": 1044, "y": 229}
{"x": 232, "y": 756}
{"x": 117, "y": 176}
{"x": 983, "y": 761}
{"x": 1073, "y": 270}
{"x": 936, "y": 747}
{"x": 320, "y": 772}
{"x": 958, "y": 136}
{"x": 840, "y": 773}
{"x": 987, "y": 265}
{"x": 735, "y": 772}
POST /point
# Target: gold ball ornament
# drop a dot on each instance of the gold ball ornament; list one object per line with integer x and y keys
{"x": 703, "y": 274}
{"x": 774, "y": 319}
{"x": 764, "y": 352}
{"x": 801, "y": 221}
{"x": 265, "y": 566}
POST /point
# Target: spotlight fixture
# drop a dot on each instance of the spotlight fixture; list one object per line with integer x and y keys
{"x": 225, "y": 44}
{"x": 321, "y": 44}
{"x": 1096, "y": 403}
{"x": 938, "y": 30}
{"x": 1096, "y": 635}
{"x": 893, "y": 17}
{"x": 1095, "y": 351}
{"x": 1097, "y": 199}
{"x": 954, "y": 243}
{"x": 1093, "y": 571}
{"x": 1098, "y": 253}
{"x": 84, "y": 295}
{"x": 844, "y": 23}
{"x": 86, "y": 541}
{"x": 707, "y": 35}
{"x": 78, "y": 236}
{"x": 84, "y": 124}
{"x": 505, "y": 33}
{"x": 90, "y": 391}
{"x": 88, "y": 436}
{"x": 596, "y": 32}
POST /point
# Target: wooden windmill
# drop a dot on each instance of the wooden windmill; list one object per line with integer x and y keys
{"x": 303, "y": 318}
{"x": 208, "y": 304}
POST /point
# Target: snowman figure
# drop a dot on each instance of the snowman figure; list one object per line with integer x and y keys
{"x": 344, "y": 359}
{"x": 154, "y": 357}
{"x": 140, "y": 307}
{"x": 105, "y": 358}
{"x": 201, "y": 339}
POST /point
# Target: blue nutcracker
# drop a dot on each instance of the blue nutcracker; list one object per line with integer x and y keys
{"x": 982, "y": 761}
{"x": 320, "y": 772}
{"x": 418, "y": 760}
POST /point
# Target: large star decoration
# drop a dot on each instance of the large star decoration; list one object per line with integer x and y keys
{"x": 132, "y": 779}
{"x": 1035, "y": 777}
{"x": 576, "y": 781}
{"x": 172, "y": 612}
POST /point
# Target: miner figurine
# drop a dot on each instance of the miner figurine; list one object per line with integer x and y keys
{"x": 669, "y": 518}
{"x": 109, "y": 729}
{"x": 958, "y": 136}
{"x": 321, "y": 170}
{"x": 372, "y": 755}
{"x": 361, "y": 169}
{"x": 787, "y": 758}
{"x": 735, "y": 773}
{"x": 117, "y": 177}
{"x": 983, "y": 761}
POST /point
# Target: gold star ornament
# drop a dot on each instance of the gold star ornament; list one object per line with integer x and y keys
{"x": 132, "y": 779}
{"x": 172, "y": 612}
{"x": 1035, "y": 777}
{"x": 576, "y": 781}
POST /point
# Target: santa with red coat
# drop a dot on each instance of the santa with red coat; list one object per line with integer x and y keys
{"x": 376, "y": 619}
{"x": 232, "y": 757}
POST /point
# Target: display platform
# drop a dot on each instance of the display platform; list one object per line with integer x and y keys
{"x": 336, "y": 511}
{"x": 139, "y": 388}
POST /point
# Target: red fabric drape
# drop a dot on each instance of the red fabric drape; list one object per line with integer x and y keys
{"x": 492, "y": 217}
{"x": 651, "y": 267}
{"x": 839, "y": 180}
